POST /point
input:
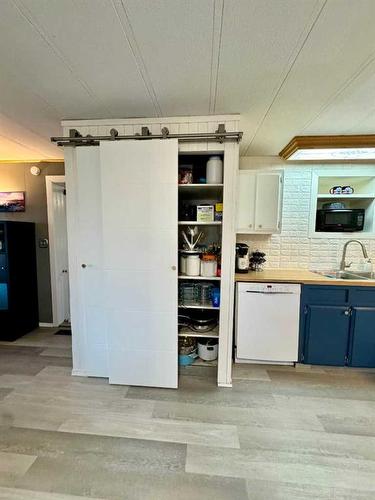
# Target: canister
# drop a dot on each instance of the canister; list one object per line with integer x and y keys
{"x": 214, "y": 170}
{"x": 183, "y": 259}
{"x": 208, "y": 266}
{"x": 208, "y": 349}
{"x": 193, "y": 265}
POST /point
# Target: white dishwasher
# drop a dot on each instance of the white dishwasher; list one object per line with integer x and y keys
{"x": 267, "y": 323}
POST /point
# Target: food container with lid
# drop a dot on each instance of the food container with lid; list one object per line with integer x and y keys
{"x": 208, "y": 349}
{"x": 208, "y": 266}
{"x": 214, "y": 170}
{"x": 193, "y": 264}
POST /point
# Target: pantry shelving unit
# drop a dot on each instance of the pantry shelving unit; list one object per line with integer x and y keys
{"x": 185, "y": 332}
{"x": 112, "y": 280}
{"x": 198, "y": 223}
{"x": 198, "y": 278}
{"x": 203, "y": 305}
{"x": 197, "y": 194}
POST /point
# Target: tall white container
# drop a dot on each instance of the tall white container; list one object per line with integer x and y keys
{"x": 214, "y": 170}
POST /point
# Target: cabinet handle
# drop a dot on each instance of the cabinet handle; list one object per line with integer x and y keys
{"x": 259, "y": 225}
{"x": 250, "y": 225}
{"x": 173, "y": 268}
{"x": 83, "y": 265}
{"x": 347, "y": 312}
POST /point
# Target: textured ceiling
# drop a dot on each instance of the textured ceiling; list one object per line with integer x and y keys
{"x": 288, "y": 66}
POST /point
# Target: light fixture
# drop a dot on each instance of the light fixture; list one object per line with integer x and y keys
{"x": 330, "y": 147}
{"x": 35, "y": 170}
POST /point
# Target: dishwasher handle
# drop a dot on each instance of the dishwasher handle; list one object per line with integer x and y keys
{"x": 269, "y": 292}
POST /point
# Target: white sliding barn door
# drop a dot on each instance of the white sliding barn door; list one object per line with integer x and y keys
{"x": 89, "y": 319}
{"x": 139, "y": 207}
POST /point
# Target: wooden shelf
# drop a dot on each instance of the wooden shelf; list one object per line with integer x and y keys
{"x": 206, "y": 305}
{"x": 197, "y": 186}
{"x": 200, "y": 278}
{"x": 200, "y": 362}
{"x": 196, "y": 223}
{"x": 345, "y": 196}
{"x": 185, "y": 332}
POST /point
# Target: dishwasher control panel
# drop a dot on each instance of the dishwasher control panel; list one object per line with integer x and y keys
{"x": 269, "y": 288}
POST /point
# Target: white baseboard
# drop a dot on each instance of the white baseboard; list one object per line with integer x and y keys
{"x": 224, "y": 385}
{"x": 47, "y": 325}
{"x": 76, "y": 372}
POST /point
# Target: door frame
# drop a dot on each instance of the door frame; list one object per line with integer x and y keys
{"x": 50, "y": 180}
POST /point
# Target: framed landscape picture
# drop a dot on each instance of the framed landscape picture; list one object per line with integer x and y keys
{"x": 12, "y": 201}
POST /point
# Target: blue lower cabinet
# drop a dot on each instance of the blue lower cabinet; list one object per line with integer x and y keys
{"x": 362, "y": 352}
{"x": 326, "y": 335}
{"x": 337, "y": 326}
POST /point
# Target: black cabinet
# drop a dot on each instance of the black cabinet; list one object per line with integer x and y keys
{"x": 337, "y": 326}
{"x": 18, "y": 280}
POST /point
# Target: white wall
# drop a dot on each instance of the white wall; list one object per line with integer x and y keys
{"x": 293, "y": 248}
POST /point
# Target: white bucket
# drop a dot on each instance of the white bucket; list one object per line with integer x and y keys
{"x": 208, "y": 349}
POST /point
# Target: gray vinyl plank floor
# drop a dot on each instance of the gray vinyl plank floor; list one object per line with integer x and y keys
{"x": 281, "y": 433}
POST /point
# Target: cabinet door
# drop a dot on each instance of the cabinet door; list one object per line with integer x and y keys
{"x": 267, "y": 202}
{"x": 363, "y": 337}
{"x": 326, "y": 335}
{"x": 245, "y": 202}
{"x": 139, "y": 199}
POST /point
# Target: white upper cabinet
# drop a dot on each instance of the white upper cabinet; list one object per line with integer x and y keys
{"x": 246, "y": 202}
{"x": 259, "y": 197}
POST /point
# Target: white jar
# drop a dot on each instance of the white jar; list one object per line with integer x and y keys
{"x": 214, "y": 170}
{"x": 208, "y": 268}
{"x": 193, "y": 265}
{"x": 183, "y": 260}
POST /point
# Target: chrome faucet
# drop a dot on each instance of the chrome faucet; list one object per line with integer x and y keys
{"x": 343, "y": 265}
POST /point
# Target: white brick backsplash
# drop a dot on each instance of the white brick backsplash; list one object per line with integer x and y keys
{"x": 293, "y": 248}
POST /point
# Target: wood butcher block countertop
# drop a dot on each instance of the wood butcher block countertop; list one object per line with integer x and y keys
{"x": 297, "y": 276}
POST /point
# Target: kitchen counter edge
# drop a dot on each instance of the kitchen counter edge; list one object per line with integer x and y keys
{"x": 298, "y": 276}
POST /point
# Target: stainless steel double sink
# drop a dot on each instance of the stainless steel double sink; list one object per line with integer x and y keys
{"x": 348, "y": 275}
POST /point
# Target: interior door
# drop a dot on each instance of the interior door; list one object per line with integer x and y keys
{"x": 61, "y": 251}
{"x": 267, "y": 202}
{"x": 93, "y": 315}
{"x": 139, "y": 199}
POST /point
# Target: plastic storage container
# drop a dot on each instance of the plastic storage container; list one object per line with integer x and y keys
{"x": 208, "y": 266}
{"x": 214, "y": 170}
{"x": 193, "y": 265}
{"x": 208, "y": 349}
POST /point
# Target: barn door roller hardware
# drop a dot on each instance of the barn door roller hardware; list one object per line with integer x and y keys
{"x": 76, "y": 139}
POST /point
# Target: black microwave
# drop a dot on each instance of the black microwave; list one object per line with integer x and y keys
{"x": 340, "y": 219}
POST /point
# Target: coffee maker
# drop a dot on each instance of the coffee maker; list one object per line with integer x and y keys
{"x": 242, "y": 258}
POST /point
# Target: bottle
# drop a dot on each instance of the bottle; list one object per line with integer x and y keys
{"x": 214, "y": 170}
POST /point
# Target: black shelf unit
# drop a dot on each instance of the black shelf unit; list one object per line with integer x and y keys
{"x": 18, "y": 280}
